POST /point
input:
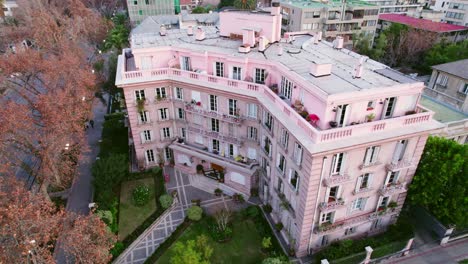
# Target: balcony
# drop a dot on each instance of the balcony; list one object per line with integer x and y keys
{"x": 363, "y": 190}
{"x": 323, "y": 206}
{"x": 273, "y": 103}
{"x": 392, "y": 188}
{"x": 285, "y": 203}
{"x": 336, "y": 179}
{"x": 246, "y": 165}
{"x": 399, "y": 165}
{"x": 370, "y": 165}
{"x": 191, "y": 108}
{"x": 215, "y": 135}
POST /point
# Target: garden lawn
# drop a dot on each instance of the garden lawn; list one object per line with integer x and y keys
{"x": 131, "y": 216}
{"x": 245, "y": 246}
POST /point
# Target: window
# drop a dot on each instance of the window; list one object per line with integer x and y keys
{"x": 392, "y": 178}
{"x": 180, "y": 113}
{"x": 294, "y": 179}
{"x": 297, "y": 153}
{"x": 140, "y": 94}
{"x": 350, "y": 231}
{"x": 164, "y": 113}
{"x": 252, "y": 111}
{"x": 284, "y": 138}
{"x": 231, "y": 150}
{"x": 327, "y": 218}
{"x": 315, "y": 14}
{"x": 149, "y": 156}
{"x": 219, "y": 69}
{"x": 179, "y": 92}
{"x": 332, "y": 194}
{"x": 168, "y": 153}
{"x": 146, "y": 136}
{"x": 144, "y": 117}
{"x": 147, "y": 2}
{"x": 370, "y": 105}
{"x": 342, "y": 113}
{"x": 231, "y": 129}
{"x": 399, "y": 151}
{"x": 376, "y": 224}
{"x": 268, "y": 120}
{"x": 236, "y": 73}
{"x": 166, "y": 132}
{"x": 306, "y": 26}
{"x": 161, "y": 93}
{"x": 140, "y": 12}
{"x": 338, "y": 164}
{"x": 233, "y": 111}
{"x": 260, "y": 75}
{"x": 215, "y": 145}
{"x": 364, "y": 182}
{"x": 383, "y": 201}
{"x": 186, "y": 65}
{"x": 267, "y": 145}
{"x": 213, "y": 103}
{"x": 252, "y": 133}
{"x": 389, "y": 107}
{"x": 324, "y": 241}
{"x": 281, "y": 163}
{"x": 214, "y": 125}
{"x": 442, "y": 80}
{"x": 183, "y": 132}
{"x": 359, "y": 204}
{"x": 371, "y": 155}
{"x": 372, "y": 12}
{"x": 280, "y": 185}
{"x": 464, "y": 88}
{"x": 135, "y": 2}
{"x": 286, "y": 87}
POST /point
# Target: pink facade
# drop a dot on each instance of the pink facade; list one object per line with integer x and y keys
{"x": 342, "y": 172}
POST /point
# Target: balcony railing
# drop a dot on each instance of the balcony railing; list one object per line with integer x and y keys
{"x": 392, "y": 188}
{"x": 399, "y": 165}
{"x": 276, "y": 104}
{"x": 190, "y": 108}
{"x": 215, "y": 135}
{"x": 285, "y": 203}
{"x": 362, "y": 190}
{"x": 365, "y": 166}
{"x": 323, "y": 206}
{"x": 336, "y": 179}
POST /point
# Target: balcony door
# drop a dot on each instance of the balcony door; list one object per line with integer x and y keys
{"x": 399, "y": 151}
{"x": 342, "y": 115}
{"x": 389, "y": 107}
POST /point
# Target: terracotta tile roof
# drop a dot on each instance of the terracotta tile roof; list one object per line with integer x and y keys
{"x": 423, "y": 24}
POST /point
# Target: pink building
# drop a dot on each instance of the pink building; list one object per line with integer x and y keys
{"x": 331, "y": 139}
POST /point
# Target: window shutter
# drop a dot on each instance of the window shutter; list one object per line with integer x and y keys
{"x": 343, "y": 164}
{"x": 170, "y": 132}
{"x": 161, "y": 131}
{"x": 333, "y": 164}
{"x": 339, "y": 192}
{"x": 142, "y": 137}
{"x": 147, "y": 116}
{"x": 367, "y": 156}
{"x": 363, "y": 203}
{"x": 378, "y": 202}
{"x": 277, "y": 160}
{"x": 338, "y": 114}
{"x": 299, "y": 157}
{"x": 369, "y": 181}
{"x": 290, "y": 175}
{"x": 327, "y": 195}
{"x": 358, "y": 184}
{"x": 384, "y": 109}
{"x": 347, "y": 114}
{"x": 151, "y": 135}
{"x": 146, "y": 156}
{"x": 397, "y": 176}
{"x": 376, "y": 154}
{"x": 387, "y": 178}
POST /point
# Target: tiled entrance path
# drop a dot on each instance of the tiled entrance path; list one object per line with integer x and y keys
{"x": 141, "y": 249}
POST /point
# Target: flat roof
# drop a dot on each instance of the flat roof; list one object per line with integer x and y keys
{"x": 457, "y": 68}
{"x": 442, "y": 113}
{"x": 329, "y": 4}
{"x": 297, "y": 56}
{"x": 419, "y": 23}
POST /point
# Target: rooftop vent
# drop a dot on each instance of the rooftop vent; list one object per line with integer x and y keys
{"x": 275, "y": 9}
{"x": 338, "y": 43}
{"x": 190, "y": 30}
{"x": 319, "y": 35}
{"x": 162, "y": 30}
{"x": 280, "y": 50}
{"x": 262, "y": 42}
{"x": 318, "y": 70}
{"x": 200, "y": 34}
{"x": 359, "y": 68}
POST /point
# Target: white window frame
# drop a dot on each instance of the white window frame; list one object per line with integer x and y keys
{"x": 252, "y": 110}
{"x": 143, "y": 117}
{"x": 389, "y": 107}
{"x": 286, "y": 87}
{"x": 213, "y": 103}
{"x": 371, "y": 155}
{"x": 215, "y": 145}
{"x": 393, "y": 176}
{"x": 185, "y": 63}
{"x": 166, "y": 132}
{"x": 281, "y": 163}
{"x": 180, "y": 113}
{"x": 342, "y": 115}
{"x": 236, "y": 73}
{"x": 294, "y": 174}
{"x": 163, "y": 114}
{"x": 140, "y": 95}
{"x": 149, "y": 155}
{"x": 359, "y": 204}
{"x": 298, "y": 153}
{"x": 219, "y": 69}
{"x": 327, "y": 217}
{"x": 215, "y": 125}
{"x": 260, "y": 75}
{"x": 232, "y": 104}
{"x": 179, "y": 92}
{"x": 268, "y": 120}
{"x": 161, "y": 92}
{"x": 252, "y": 133}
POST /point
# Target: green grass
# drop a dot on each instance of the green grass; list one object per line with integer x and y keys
{"x": 463, "y": 261}
{"x": 131, "y": 216}
{"x": 245, "y": 246}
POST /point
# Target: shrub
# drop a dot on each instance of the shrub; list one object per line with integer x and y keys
{"x": 276, "y": 260}
{"x": 199, "y": 168}
{"x": 218, "y": 192}
{"x": 279, "y": 226}
{"x": 117, "y": 249}
{"x": 267, "y": 208}
{"x": 251, "y": 212}
{"x": 266, "y": 243}
{"x": 105, "y": 216}
{"x": 238, "y": 198}
{"x": 108, "y": 173}
{"x": 254, "y": 192}
{"x": 194, "y": 213}
{"x": 166, "y": 200}
{"x": 141, "y": 195}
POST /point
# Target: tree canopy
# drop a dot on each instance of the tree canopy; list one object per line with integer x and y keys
{"x": 445, "y": 52}
{"x": 441, "y": 181}
{"x": 193, "y": 251}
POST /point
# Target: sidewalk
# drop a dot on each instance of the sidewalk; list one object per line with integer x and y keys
{"x": 82, "y": 190}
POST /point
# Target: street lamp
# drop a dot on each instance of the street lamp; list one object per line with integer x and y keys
{"x": 67, "y": 146}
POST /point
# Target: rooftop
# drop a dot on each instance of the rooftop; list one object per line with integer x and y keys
{"x": 457, "y": 68}
{"x": 297, "y": 57}
{"x": 423, "y": 24}
{"x": 442, "y": 113}
{"x": 330, "y": 4}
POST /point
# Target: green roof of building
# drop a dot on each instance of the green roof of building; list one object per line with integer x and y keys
{"x": 442, "y": 113}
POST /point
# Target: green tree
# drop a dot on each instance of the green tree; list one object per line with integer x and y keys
{"x": 194, "y": 213}
{"x": 225, "y": 3}
{"x": 445, "y": 52}
{"x": 276, "y": 260}
{"x": 379, "y": 48}
{"x": 119, "y": 34}
{"x": 441, "y": 181}
{"x": 362, "y": 44}
{"x": 245, "y": 4}
{"x": 193, "y": 251}
{"x": 166, "y": 200}
{"x": 108, "y": 174}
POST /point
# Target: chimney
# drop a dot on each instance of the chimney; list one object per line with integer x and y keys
{"x": 262, "y": 44}
{"x": 248, "y": 37}
{"x": 319, "y": 36}
{"x": 162, "y": 30}
{"x": 280, "y": 50}
{"x": 338, "y": 43}
{"x": 190, "y": 30}
{"x": 318, "y": 70}
{"x": 275, "y": 9}
{"x": 359, "y": 68}
{"x": 200, "y": 34}
{"x": 316, "y": 39}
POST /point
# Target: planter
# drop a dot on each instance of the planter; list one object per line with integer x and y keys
{"x": 333, "y": 124}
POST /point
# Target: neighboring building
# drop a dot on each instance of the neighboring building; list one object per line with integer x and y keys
{"x": 444, "y": 31}
{"x": 456, "y": 122}
{"x": 138, "y": 10}
{"x": 429, "y": 14}
{"x": 7, "y": 8}
{"x": 397, "y": 6}
{"x": 332, "y": 18}
{"x": 232, "y": 98}
{"x": 449, "y": 84}
{"x": 456, "y": 11}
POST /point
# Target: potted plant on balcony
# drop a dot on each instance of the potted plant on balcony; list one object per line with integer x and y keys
{"x": 304, "y": 114}
{"x": 333, "y": 124}
{"x": 274, "y": 88}
{"x": 200, "y": 169}
{"x": 238, "y": 198}
{"x": 392, "y": 205}
{"x": 298, "y": 105}
{"x": 370, "y": 117}
{"x": 325, "y": 226}
{"x": 267, "y": 208}
{"x": 158, "y": 98}
{"x": 141, "y": 105}
{"x": 279, "y": 226}
{"x": 221, "y": 177}
{"x": 218, "y": 192}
